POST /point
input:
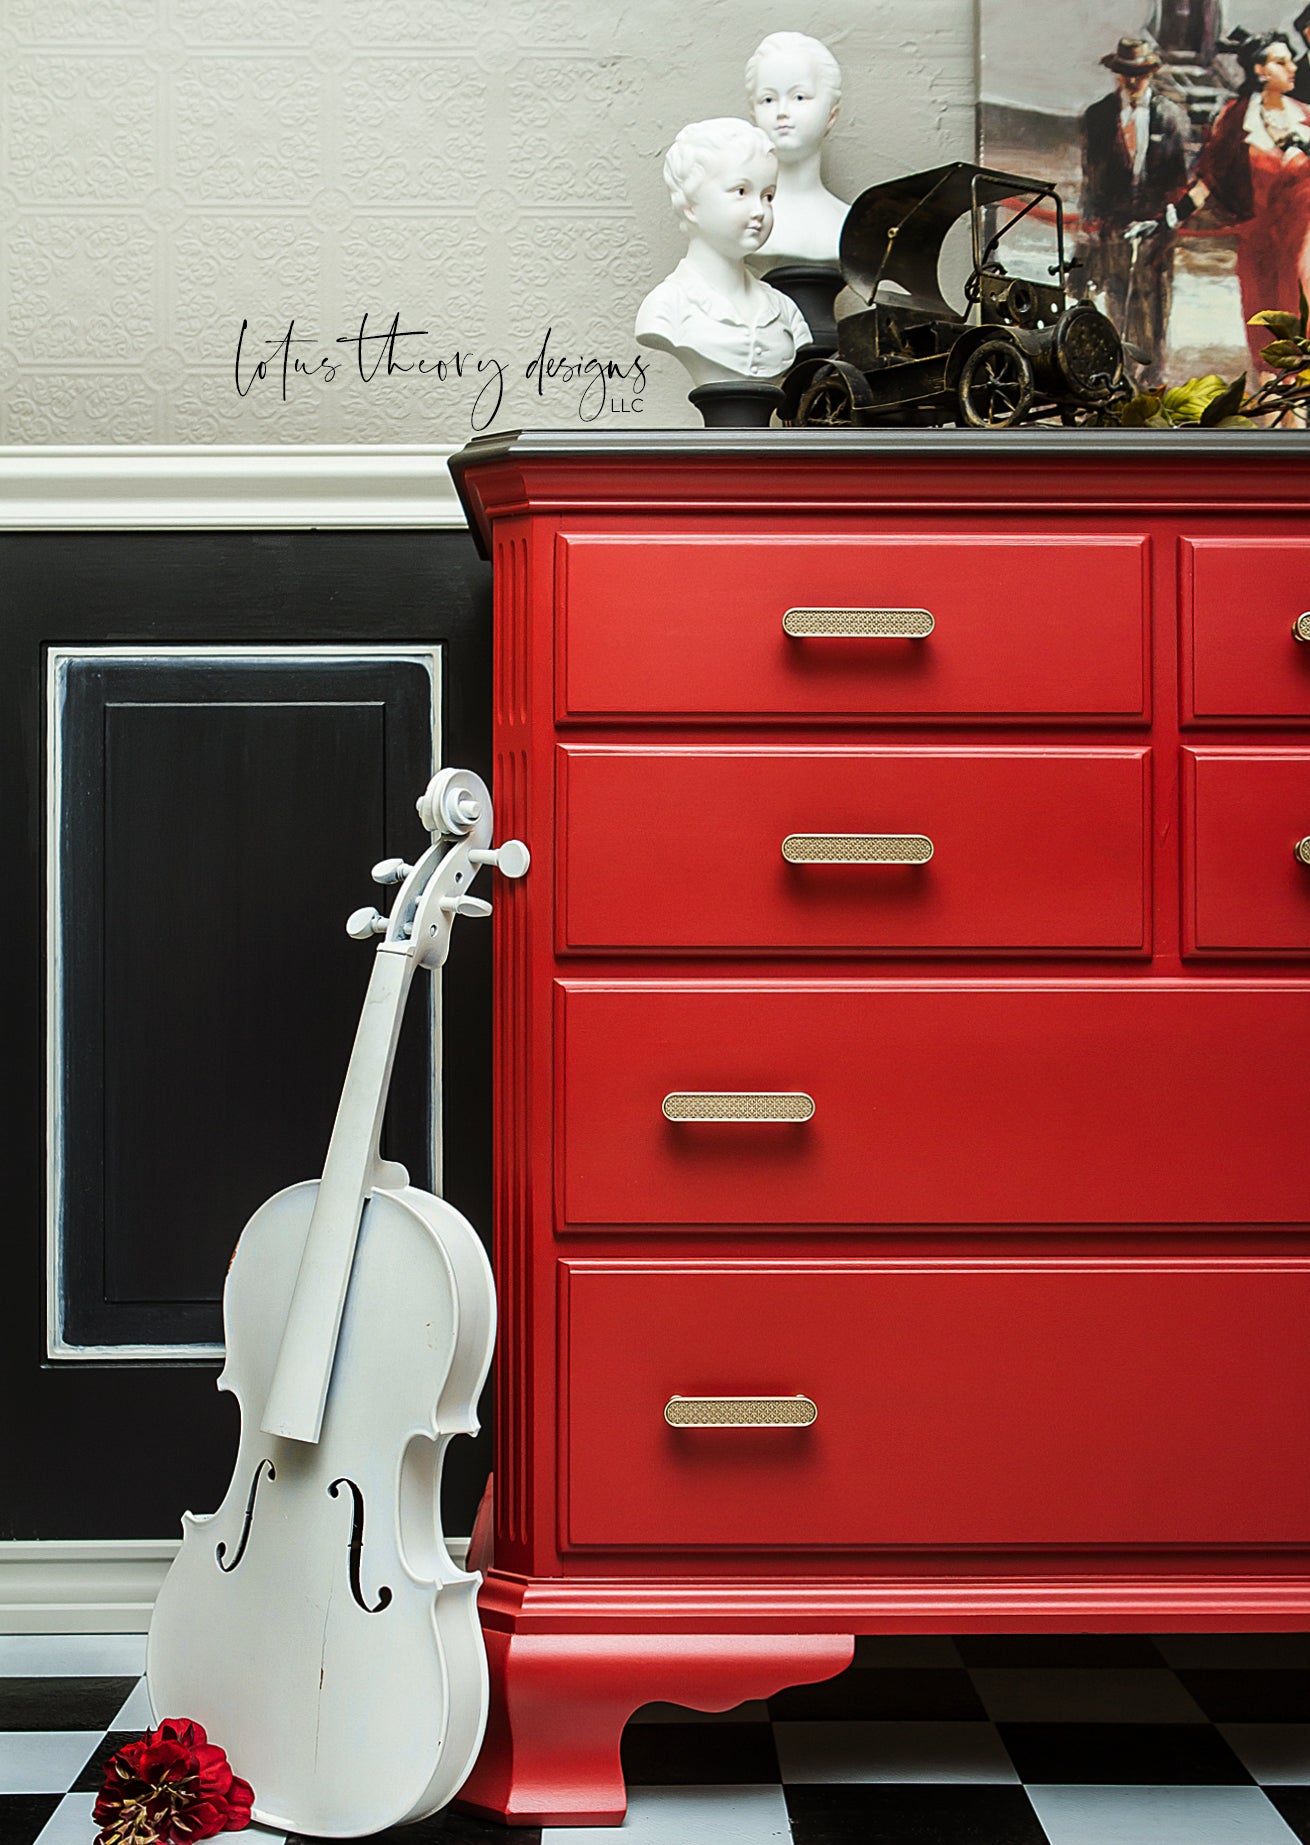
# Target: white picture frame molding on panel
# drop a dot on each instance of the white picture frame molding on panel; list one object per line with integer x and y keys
{"x": 424, "y": 654}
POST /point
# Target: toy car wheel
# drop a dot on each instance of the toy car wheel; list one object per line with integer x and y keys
{"x": 995, "y": 387}
{"x": 1089, "y": 353}
{"x": 794, "y": 386}
{"x": 833, "y": 398}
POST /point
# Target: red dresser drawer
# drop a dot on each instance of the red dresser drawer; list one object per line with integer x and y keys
{"x": 1029, "y": 627}
{"x": 1247, "y": 813}
{"x": 966, "y": 1403}
{"x": 1241, "y": 601}
{"x": 953, "y": 1102}
{"x": 998, "y": 826}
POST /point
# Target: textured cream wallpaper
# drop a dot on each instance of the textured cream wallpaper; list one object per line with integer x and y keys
{"x": 486, "y": 172}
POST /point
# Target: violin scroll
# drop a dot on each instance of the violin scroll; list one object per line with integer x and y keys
{"x": 456, "y": 809}
{"x": 453, "y": 802}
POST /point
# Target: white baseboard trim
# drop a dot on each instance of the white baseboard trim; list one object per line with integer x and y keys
{"x": 81, "y": 1587}
{"x": 137, "y": 487}
{"x": 92, "y": 1586}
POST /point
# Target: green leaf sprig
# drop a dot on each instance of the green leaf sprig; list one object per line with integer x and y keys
{"x": 1203, "y": 403}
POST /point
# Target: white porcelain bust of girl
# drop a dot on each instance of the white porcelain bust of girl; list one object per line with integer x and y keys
{"x": 718, "y": 319}
{"x": 793, "y": 90}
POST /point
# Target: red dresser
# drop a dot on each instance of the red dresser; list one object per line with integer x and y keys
{"x": 901, "y": 1181}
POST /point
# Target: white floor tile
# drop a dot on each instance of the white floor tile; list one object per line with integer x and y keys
{"x": 1275, "y": 1753}
{"x": 1159, "y": 1816}
{"x": 1235, "y": 1650}
{"x": 44, "y": 1761}
{"x": 135, "y": 1713}
{"x": 1083, "y": 1694}
{"x": 70, "y": 1823}
{"x": 906, "y": 1650}
{"x": 72, "y": 1655}
{"x": 878, "y": 1751}
{"x": 756, "y": 1711}
{"x": 688, "y": 1816}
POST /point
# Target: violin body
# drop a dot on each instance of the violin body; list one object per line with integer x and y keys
{"x": 315, "y": 1624}
{"x": 274, "y": 1627}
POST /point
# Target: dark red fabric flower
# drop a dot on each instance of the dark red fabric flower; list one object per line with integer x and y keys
{"x": 170, "y": 1787}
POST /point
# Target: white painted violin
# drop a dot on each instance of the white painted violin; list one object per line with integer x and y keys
{"x": 316, "y": 1624}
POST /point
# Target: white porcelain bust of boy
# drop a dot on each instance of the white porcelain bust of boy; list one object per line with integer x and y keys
{"x": 793, "y": 91}
{"x": 718, "y": 319}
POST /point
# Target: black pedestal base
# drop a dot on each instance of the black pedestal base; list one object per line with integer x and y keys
{"x": 814, "y": 287}
{"x": 736, "y": 403}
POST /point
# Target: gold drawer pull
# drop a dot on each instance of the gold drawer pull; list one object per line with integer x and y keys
{"x": 864, "y": 624}
{"x": 1301, "y": 627}
{"x": 857, "y": 848}
{"x": 1302, "y": 850}
{"x": 740, "y": 1412}
{"x": 755, "y": 1105}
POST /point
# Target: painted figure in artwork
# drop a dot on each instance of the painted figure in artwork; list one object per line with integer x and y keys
{"x": 1134, "y": 160}
{"x": 1255, "y": 169}
{"x": 793, "y": 90}
{"x": 711, "y": 313}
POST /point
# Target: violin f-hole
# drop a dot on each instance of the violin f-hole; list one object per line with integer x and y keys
{"x": 356, "y": 1547}
{"x": 221, "y": 1549}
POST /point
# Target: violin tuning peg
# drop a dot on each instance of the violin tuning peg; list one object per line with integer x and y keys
{"x": 391, "y": 871}
{"x": 511, "y": 859}
{"x": 361, "y": 924}
{"x": 465, "y": 906}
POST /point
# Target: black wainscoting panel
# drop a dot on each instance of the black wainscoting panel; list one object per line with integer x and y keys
{"x": 118, "y": 1449}
{"x": 220, "y": 817}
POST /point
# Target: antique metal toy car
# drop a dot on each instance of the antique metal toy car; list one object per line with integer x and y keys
{"x": 1021, "y": 348}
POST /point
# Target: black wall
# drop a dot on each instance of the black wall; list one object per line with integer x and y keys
{"x": 214, "y": 917}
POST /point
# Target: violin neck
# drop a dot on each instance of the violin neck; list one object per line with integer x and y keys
{"x": 303, "y": 1371}
{"x": 352, "y": 1155}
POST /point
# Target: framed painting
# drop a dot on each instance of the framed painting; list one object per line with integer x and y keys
{"x": 1178, "y": 136}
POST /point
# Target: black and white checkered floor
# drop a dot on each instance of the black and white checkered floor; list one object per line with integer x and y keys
{"x": 989, "y": 1740}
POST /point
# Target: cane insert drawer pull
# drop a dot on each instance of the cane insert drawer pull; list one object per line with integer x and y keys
{"x": 1301, "y": 627}
{"x": 857, "y": 848}
{"x": 860, "y": 624}
{"x": 753, "y": 1105}
{"x": 1302, "y": 849}
{"x": 740, "y": 1412}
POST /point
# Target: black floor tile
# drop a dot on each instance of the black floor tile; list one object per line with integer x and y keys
{"x": 23, "y": 1815}
{"x": 1294, "y": 1805}
{"x": 914, "y": 1693}
{"x": 1122, "y": 1754}
{"x": 885, "y": 1814}
{"x": 61, "y": 1703}
{"x": 1272, "y": 1695}
{"x": 92, "y": 1777}
{"x": 1057, "y": 1650}
{"x": 698, "y": 1754}
{"x": 445, "y": 1828}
